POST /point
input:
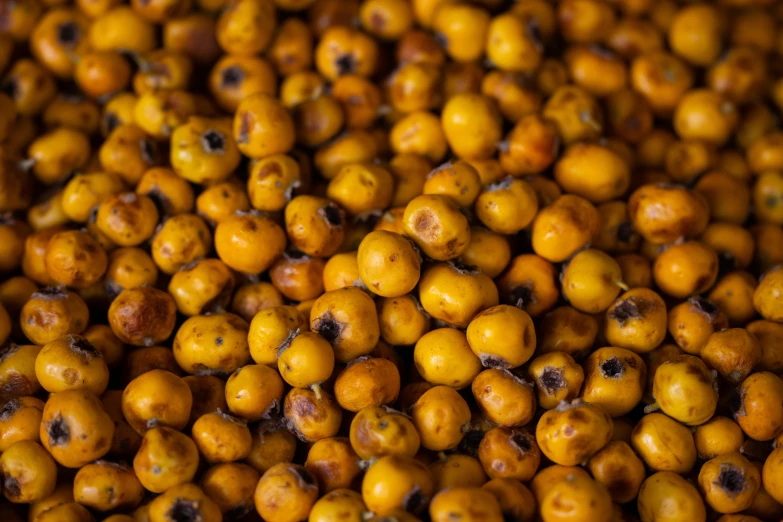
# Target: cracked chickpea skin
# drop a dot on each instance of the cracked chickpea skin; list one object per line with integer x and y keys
{"x": 391, "y": 260}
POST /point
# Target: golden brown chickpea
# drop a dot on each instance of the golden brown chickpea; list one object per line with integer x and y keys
{"x": 696, "y": 34}
{"x": 184, "y": 501}
{"x": 659, "y": 489}
{"x": 221, "y": 438}
{"x": 575, "y": 113}
{"x": 705, "y": 115}
{"x": 231, "y": 486}
{"x": 69, "y": 363}
{"x": 729, "y": 482}
{"x": 396, "y": 482}
{"x": 462, "y": 29}
{"x": 75, "y": 429}
{"x": 29, "y": 472}
{"x": 157, "y": 398}
{"x": 733, "y": 353}
{"x": 312, "y": 416}
{"x": 367, "y": 382}
{"x": 272, "y": 444}
{"x": 664, "y": 444}
{"x": 333, "y": 463}
{"x": 618, "y": 468}
{"x": 20, "y": 418}
{"x": 507, "y": 453}
{"x": 382, "y": 431}
{"x": 573, "y": 432}
{"x": 441, "y": 417}
{"x": 51, "y": 314}
{"x": 733, "y": 294}
{"x": 767, "y": 333}
{"x": 755, "y": 408}
{"x": 686, "y": 213}
{"x": 585, "y": 21}
{"x": 106, "y": 486}
{"x": 614, "y": 379}
{"x": 166, "y": 458}
{"x": 564, "y": 227}
{"x": 17, "y": 371}
{"x": 718, "y": 436}
{"x": 142, "y": 316}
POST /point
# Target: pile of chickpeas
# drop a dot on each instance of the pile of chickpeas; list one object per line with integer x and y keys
{"x": 391, "y": 260}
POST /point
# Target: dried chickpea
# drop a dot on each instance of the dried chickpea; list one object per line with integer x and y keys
{"x": 75, "y": 429}
{"x": 657, "y": 492}
{"x": 106, "y": 486}
{"x": 440, "y": 285}
{"x": 443, "y": 357}
{"x": 379, "y": 431}
{"x": 564, "y": 227}
{"x": 271, "y": 445}
{"x": 71, "y": 362}
{"x": 755, "y": 408}
{"x": 441, "y": 416}
{"x": 685, "y": 376}
{"x": 142, "y": 316}
{"x": 397, "y": 482}
{"x": 767, "y": 333}
{"x": 312, "y": 416}
{"x": 718, "y": 436}
{"x": 614, "y": 380}
{"x": 20, "y": 418}
{"x": 515, "y": 499}
{"x": 333, "y": 463}
{"x": 685, "y": 269}
{"x": 157, "y": 398}
{"x": 733, "y": 294}
{"x": 252, "y": 391}
{"x": 235, "y": 235}
{"x": 573, "y": 432}
{"x": 231, "y": 486}
{"x": 29, "y": 473}
{"x": 221, "y": 438}
{"x": 367, "y": 382}
{"x": 166, "y": 458}
{"x": 338, "y": 504}
{"x": 618, "y": 468}
{"x": 664, "y": 445}
{"x": 184, "y": 501}
{"x": 50, "y": 314}
{"x": 733, "y": 353}
{"x": 471, "y": 125}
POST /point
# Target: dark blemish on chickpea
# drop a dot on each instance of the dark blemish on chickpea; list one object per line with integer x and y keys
{"x": 58, "y": 431}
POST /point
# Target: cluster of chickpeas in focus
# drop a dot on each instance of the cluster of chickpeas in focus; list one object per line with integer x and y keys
{"x": 391, "y": 260}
